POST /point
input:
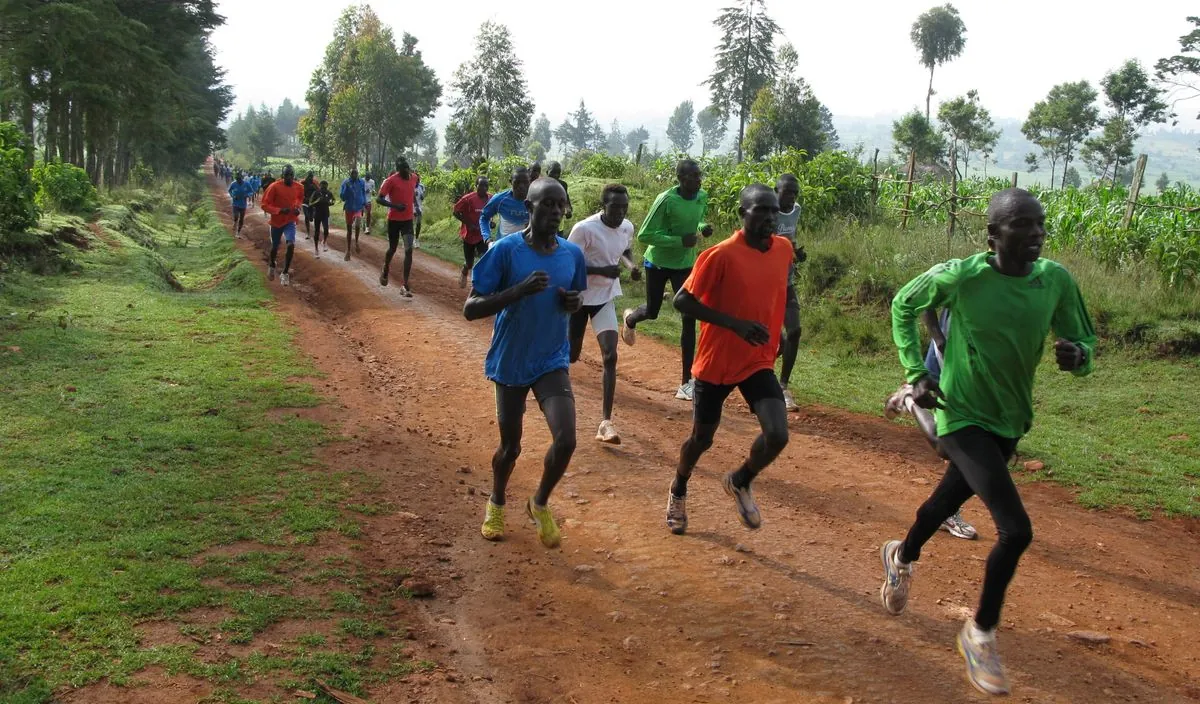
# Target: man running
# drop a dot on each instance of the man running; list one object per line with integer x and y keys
{"x": 531, "y": 282}
{"x": 1003, "y": 304}
{"x": 239, "y": 191}
{"x": 369, "y": 203}
{"x": 509, "y": 205}
{"x": 354, "y": 200}
{"x": 255, "y": 185}
{"x": 671, "y": 231}
{"x": 554, "y": 171}
{"x": 535, "y": 171}
{"x": 399, "y": 194}
{"x": 737, "y": 291}
{"x": 282, "y": 202}
{"x": 605, "y": 239}
{"x": 467, "y": 211}
{"x": 418, "y": 211}
{"x": 787, "y": 188}
{"x": 320, "y": 203}
{"x": 310, "y": 186}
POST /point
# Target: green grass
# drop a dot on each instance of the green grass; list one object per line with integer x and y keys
{"x": 137, "y": 437}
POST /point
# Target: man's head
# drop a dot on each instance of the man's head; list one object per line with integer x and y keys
{"x": 403, "y": 168}
{"x": 787, "y": 188}
{"x": 324, "y": 185}
{"x": 546, "y": 201}
{"x": 309, "y": 176}
{"x": 554, "y": 170}
{"x": 615, "y": 203}
{"x": 238, "y": 176}
{"x": 354, "y": 174}
{"x": 481, "y": 185}
{"x": 758, "y": 209}
{"x": 289, "y": 174}
{"x": 535, "y": 171}
{"x": 520, "y": 183}
{"x": 687, "y": 172}
{"x": 1016, "y": 225}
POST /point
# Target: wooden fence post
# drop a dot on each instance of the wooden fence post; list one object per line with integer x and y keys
{"x": 912, "y": 165}
{"x": 1135, "y": 187}
{"x": 953, "y": 215}
{"x": 1014, "y": 179}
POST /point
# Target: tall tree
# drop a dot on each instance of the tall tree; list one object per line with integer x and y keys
{"x": 1135, "y": 103}
{"x": 615, "y": 145}
{"x": 1180, "y": 74}
{"x": 541, "y": 132}
{"x": 492, "y": 101}
{"x": 427, "y": 146}
{"x": 712, "y": 129}
{"x": 786, "y": 114}
{"x": 939, "y": 35}
{"x": 969, "y": 126}
{"x": 914, "y": 134}
{"x": 831, "y": 136}
{"x": 681, "y": 128}
{"x": 635, "y": 138}
{"x": 745, "y": 61}
{"x": 580, "y": 131}
{"x": 1059, "y": 123}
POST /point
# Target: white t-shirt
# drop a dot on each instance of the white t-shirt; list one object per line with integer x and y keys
{"x": 785, "y": 223}
{"x": 602, "y": 246}
{"x": 370, "y": 187}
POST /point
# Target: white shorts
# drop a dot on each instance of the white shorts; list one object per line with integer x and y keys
{"x": 603, "y": 317}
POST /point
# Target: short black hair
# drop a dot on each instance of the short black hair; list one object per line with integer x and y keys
{"x": 786, "y": 177}
{"x": 684, "y": 164}
{"x": 518, "y": 170}
{"x": 613, "y": 189}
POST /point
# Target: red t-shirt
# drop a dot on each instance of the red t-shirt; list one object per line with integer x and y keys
{"x": 748, "y": 284}
{"x": 279, "y": 195}
{"x": 400, "y": 190}
{"x": 469, "y": 206}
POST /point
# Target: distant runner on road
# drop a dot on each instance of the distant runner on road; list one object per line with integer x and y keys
{"x": 310, "y": 185}
{"x": 531, "y": 282}
{"x": 787, "y": 188}
{"x": 554, "y": 171}
{"x": 1003, "y": 304}
{"x": 282, "y": 202}
{"x": 737, "y": 291}
{"x": 368, "y": 208}
{"x": 354, "y": 199}
{"x": 398, "y": 195}
{"x": 671, "y": 233}
{"x": 418, "y": 212}
{"x": 467, "y": 211}
{"x": 605, "y": 239}
{"x": 239, "y": 191}
{"x": 509, "y": 205}
{"x": 320, "y": 202}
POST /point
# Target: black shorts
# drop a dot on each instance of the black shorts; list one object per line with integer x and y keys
{"x": 510, "y": 400}
{"x": 709, "y": 399}
{"x": 396, "y": 228}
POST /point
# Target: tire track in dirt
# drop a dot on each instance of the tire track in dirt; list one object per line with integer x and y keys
{"x": 627, "y": 612}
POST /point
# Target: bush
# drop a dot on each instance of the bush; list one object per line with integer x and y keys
{"x": 603, "y": 166}
{"x": 64, "y": 187}
{"x": 18, "y": 206}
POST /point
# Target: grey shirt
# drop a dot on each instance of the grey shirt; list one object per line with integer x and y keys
{"x": 785, "y": 223}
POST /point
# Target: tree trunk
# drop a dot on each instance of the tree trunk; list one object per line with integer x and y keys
{"x": 27, "y": 114}
{"x": 741, "y": 132}
{"x": 1053, "y": 165}
{"x": 51, "y": 144}
{"x": 929, "y": 95}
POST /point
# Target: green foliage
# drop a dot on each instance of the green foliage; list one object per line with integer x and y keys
{"x": 914, "y": 133}
{"x": 1060, "y": 123}
{"x": 681, "y": 128}
{"x": 491, "y": 106}
{"x": 605, "y": 167}
{"x": 786, "y": 114}
{"x": 64, "y": 187}
{"x": 745, "y": 60}
{"x": 712, "y": 129}
{"x": 1182, "y": 71}
{"x": 938, "y": 35}
{"x": 969, "y": 126}
{"x": 18, "y": 205}
{"x": 580, "y": 131}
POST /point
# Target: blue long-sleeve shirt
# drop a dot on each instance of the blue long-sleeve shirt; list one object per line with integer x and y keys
{"x": 239, "y": 191}
{"x": 354, "y": 195}
{"x": 514, "y": 216}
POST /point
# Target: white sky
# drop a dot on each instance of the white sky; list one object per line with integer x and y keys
{"x": 636, "y": 59}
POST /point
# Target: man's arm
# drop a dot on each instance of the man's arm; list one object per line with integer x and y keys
{"x": 268, "y": 201}
{"x": 485, "y": 217}
{"x": 751, "y": 331}
{"x": 1073, "y": 326}
{"x": 928, "y": 291}
{"x": 482, "y": 305}
{"x": 930, "y": 318}
{"x": 654, "y": 228}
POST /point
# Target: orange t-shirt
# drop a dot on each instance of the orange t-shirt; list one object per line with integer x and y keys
{"x": 280, "y": 195}
{"x": 739, "y": 280}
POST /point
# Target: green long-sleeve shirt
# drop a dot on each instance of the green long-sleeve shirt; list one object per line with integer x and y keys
{"x": 996, "y": 340}
{"x": 671, "y": 217}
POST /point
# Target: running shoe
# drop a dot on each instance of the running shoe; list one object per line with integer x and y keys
{"x": 493, "y": 522}
{"x": 547, "y": 529}
{"x": 686, "y": 391}
{"x": 271, "y": 273}
{"x": 416, "y": 244}
{"x": 462, "y": 280}
{"x": 608, "y": 433}
{"x": 957, "y": 526}
{"x": 325, "y": 246}
{"x": 317, "y": 253}
{"x": 676, "y": 513}
{"x": 747, "y": 510}
{"x": 383, "y": 279}
{"x": 984, "y": 669}
{"x": 406, "y": 292}
{"x": 897, "y": 578}
{"x": 285, "y": 279}
{"x": 789, "y": 402}
{"x": 347, "y": 257}
{"x": 897, "y": 404}
{"x": 627, "y": 332}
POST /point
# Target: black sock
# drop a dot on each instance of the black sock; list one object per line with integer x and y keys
{"x": 742, "y": 477}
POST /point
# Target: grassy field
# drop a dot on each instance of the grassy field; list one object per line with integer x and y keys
{"x": 138, "y": 439}
{"x": 1126, "y": 437}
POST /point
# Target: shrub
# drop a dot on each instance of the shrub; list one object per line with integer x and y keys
{"x": 18, "y": 207}
{"x": 604, "y": 166}
{"x": 64, "y": 187}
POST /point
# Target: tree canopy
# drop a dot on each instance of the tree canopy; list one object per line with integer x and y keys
{"x": 681, "y": 128}
{"x": 938, "y": 35}
{"x": 492, "y": 105}
{"x": 745, "y": 61}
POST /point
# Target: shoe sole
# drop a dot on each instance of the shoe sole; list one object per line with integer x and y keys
{"x": 974, "y": 683}
{"x": 615, "y": 440}
{"x": 491, "y": 538}
{"x": 883, "y": 557}
{"x": 628, "y": 335}
{"x": 732, "y": 492}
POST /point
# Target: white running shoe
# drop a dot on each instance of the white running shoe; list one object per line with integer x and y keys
{"x": 325, "y": 246}
{"x": 416, "y": 244}
{"x": 285, "y": 279}
{"x": 984, "y": 669}
{"x": 789, "y": 402}
{"x": 676, "y": 513}
{"x": 271, "y": 273}
{"x": 897, "y": 578}
{"x": 628, "y": 334}
{"x": 608, "y": 433}
{"x": 317, "y": 254}
{"x": 686, "y": 391}
{"x": 957, "y": 526}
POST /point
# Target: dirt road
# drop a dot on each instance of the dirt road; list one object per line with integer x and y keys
{"x": 626, "y": 612}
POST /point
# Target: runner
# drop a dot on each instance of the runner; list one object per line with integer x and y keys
{"x": 267, "y": 180}
{"x": 310, "y": 185}
{"x": 398, "y": 194}
{"x": 531, "y": 282}
{"x": 255, "y": 185}
{"x": 354, "y": 199}
{"x": 282, "y": 202}
{"x": 509, "y": 205}
{"x": 902, "y": 402}
{"x": 320, "y": 203}
{"x": 1003, "y": 304}
{"x": 605, "y": 239}
{"x": 787, "y": 188}
{"x": 239, "y": 191}
{"x": 535, "y": 171}
{"x": 671, "y": 231}
{"x": 418, "y": 211}
{"x": 466, "y": 211}
{"x": 368, "y": 208}
{"x": 737, "y": 290}
{"x": 554, "y": 171}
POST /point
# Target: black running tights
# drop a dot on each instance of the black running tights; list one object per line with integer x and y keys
{"x": 656, "y": 286}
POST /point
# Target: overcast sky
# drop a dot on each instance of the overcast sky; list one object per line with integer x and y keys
{"x": 634, "y": 60}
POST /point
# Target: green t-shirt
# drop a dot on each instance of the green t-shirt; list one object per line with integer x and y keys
{"x": 996, "y": 339}
{"x": 670, "y": 218}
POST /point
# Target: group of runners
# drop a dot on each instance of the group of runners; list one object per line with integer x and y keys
{"x": 970, "y": 391}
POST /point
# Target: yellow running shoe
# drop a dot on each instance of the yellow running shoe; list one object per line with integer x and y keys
{"x": 493, "y": 522}
{"x": 547, "y": 529}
